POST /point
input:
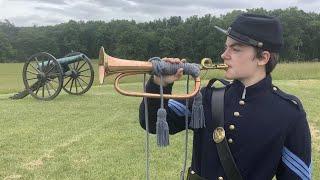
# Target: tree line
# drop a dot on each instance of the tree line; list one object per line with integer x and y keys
{"x": 192, "y": 38}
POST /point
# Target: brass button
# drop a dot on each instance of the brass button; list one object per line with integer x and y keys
{"x": 230, "y": 140}
{"x": 218, "y": 134}
{"x": 232, "y": 127}
{"x": 275, "y": 88}
{"x": 192, "y": 172}
{"x": 241, "y": 102}
{"x": 236, "y": 114}
{"x": 220, "y": 178}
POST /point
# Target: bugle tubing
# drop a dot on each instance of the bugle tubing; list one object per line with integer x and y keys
{"x": 206, "y": 64}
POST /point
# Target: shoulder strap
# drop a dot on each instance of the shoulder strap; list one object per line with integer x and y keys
{"x": 225, "y": 156}
{"x": 213, "y": 80}
{"x": 288, "y": 97}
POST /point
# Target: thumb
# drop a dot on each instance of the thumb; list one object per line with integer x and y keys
{"x": 179, "y": 73}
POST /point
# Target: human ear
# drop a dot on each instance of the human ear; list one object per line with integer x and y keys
{"x": 264, "y": 59}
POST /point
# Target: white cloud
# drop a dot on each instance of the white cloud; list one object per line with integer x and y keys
{"x": 47, "y": 12}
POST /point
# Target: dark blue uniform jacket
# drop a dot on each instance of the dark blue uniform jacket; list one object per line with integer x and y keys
{"x": 266, "y": 130}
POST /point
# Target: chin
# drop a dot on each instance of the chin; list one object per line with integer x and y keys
{"x": 229, "y": 76}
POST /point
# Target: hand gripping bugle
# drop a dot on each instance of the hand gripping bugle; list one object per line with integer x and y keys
{"x": 110, "y": 65}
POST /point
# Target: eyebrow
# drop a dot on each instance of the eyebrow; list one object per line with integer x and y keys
{"x": 235, "y": 44}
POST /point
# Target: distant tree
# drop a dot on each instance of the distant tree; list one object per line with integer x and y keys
{"x": 6, "y": 50}
{"x": 193, "y": 38}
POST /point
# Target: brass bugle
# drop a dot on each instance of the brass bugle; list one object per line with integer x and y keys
{"x": 110, "y": 65}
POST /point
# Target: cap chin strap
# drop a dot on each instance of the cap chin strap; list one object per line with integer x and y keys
{"x": 243, "y": 38}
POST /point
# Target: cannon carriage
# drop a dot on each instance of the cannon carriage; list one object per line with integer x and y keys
{"x": 44, "y": 76}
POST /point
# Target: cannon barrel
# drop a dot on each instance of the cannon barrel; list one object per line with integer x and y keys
{"x": 63, "y": 61}
{"x": 70, "y": 59}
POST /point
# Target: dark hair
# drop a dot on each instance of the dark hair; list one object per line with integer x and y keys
{"x": 273, "y": 61}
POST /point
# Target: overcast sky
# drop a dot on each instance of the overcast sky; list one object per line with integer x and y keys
{"x": 49, "y": 12}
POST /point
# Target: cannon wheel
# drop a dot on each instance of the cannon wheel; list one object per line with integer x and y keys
{"x": 82, "y": 78}
{"x": 42, "y": 76}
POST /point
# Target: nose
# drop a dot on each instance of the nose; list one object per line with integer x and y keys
{"x": 225, "y": 55}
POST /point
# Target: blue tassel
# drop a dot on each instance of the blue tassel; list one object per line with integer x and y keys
{"x": 162, "y": 128}
{"x": 197, "y": 116}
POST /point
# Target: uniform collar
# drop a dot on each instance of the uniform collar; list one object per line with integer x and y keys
{"x": 253, "y": 90}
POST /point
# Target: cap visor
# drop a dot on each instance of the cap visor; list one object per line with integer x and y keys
{"x": 221, "y": 30}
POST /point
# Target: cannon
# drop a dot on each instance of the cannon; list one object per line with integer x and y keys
{"x": 44, "y": 76}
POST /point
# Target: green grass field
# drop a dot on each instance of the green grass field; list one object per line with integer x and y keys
{"x": 97, "y": 135}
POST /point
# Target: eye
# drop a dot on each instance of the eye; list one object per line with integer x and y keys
{"x": 236, "y": 49}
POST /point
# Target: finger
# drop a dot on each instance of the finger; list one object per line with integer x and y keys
{"x": 183, "y": 60}
{"x": 177, "y": 60}
{"x": 164, "y": 59}
{"x": 169, "y": 60}
{"x": 179, "y": 74}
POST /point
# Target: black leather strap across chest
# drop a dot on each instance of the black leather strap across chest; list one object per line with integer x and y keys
{"x": 225, "y": 155}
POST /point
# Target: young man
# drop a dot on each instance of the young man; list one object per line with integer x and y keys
{"x": 265, "y": 128}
